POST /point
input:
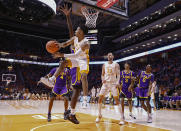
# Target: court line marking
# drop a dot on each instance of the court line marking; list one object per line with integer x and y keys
{"x": 153, "y": 126}
{"x": 33, "y": 129}
{"x": 56, "y": 124}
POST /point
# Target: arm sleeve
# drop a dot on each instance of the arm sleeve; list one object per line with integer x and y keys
{"x": 74, "y": 55}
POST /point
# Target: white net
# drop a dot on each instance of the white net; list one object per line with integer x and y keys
{"x": 91, "y": 16}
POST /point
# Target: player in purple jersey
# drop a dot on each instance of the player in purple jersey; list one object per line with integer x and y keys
{"x": 174, "y": 101}
{"x": 60, "y": 89}
{"x": 127, "y": 82}
{"x": 146, "y": 79}
{"x": 165, "y": 101}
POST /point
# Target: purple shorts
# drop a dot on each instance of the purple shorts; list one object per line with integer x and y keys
{"x": 143, "y": 92}
{"x": 60, "y": 90}
{"x": 126, "y": 93}
{"x": 75, "y": 75}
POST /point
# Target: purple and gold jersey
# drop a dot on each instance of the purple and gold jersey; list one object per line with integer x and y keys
{"x": 145, "y": 79}
{"x": 60, "y": 87}
{"x": 61, "y": 79}
{"x": 126, "y": 78}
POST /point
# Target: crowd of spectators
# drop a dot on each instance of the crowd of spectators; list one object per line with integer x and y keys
{"x": 165, "y": 66}
{"x": 150, "y": 19}
{"x": 153, "y": 32}
{"x": 25, "y": 86}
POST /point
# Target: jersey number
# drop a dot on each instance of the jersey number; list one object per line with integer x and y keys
{"x": 109, "y": 71}
{"x": 62, "y": 76}
{"x": 144, "y": 79}
{"x": 126, "y": 80}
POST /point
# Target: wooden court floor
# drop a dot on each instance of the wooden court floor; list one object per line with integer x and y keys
{"x": 31, "y": 116}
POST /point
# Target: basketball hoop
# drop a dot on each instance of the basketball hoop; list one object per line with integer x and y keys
{"x": 8, "y": 78}
{"x": 91, "y": 16}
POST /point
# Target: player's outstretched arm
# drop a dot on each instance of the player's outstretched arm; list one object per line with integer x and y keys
{"x": 67, "y": 43}
{"x": 84, "y": 47}
{"x": 67, "y": 12}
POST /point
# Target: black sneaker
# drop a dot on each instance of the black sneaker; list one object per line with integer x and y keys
{"x": 65, "y": 114}
{"x": 49, "y": 118}
{"x": 72, "y": 118}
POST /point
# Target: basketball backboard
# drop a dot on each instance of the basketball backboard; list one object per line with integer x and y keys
{"x": 119, "y": 9}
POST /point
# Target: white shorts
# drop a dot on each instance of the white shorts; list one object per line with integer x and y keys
{"x": 83, "y": 64}
{"x": 109, "y": 87}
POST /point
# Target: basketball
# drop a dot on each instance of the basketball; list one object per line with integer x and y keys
{"x": 52, "y": 46}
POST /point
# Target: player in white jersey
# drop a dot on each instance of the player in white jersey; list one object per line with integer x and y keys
{"x": 79, "y": 59}
{"x": 110, "y": 82}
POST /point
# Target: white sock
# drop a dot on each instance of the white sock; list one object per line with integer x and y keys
{"x": 99, "y": 109}
{"x": 130, "y": 113}
{"x": 85, "y": 99}
{"x": 73, "y": 111}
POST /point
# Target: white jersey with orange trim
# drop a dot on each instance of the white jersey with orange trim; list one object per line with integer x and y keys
{"x": 110, "y": 72}
{"x": 82, "y": 60}
{"x": 77, "y": 45}
{"x": 111, "y": 80}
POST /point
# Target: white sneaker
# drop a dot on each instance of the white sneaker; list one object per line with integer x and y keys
{"x": 121, "y": 122}
{"x": 46, "y": 82}
{"x": 149, "y": 119}
{"x": 132, "y": 116}
{"x": 98, "y": 119}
